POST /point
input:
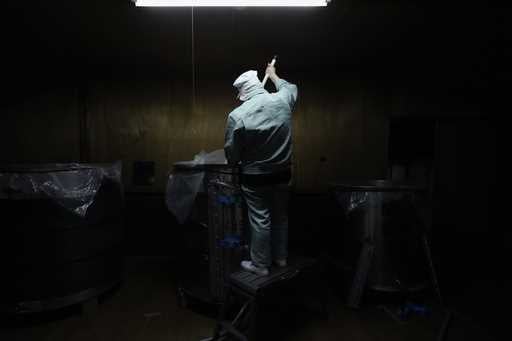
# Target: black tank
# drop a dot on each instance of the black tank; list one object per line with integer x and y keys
{"x": 61, "y": 235}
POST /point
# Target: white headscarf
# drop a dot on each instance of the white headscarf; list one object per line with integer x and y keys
{"x": 248, "y": 85}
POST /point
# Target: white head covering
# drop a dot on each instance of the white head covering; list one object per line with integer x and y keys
{"x": 248, "y": 85}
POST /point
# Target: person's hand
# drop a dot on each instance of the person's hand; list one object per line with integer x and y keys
{"x": 271, "y": 71}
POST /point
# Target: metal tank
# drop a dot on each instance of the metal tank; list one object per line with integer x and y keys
{"x": 209, "y": 193}
{"x": 385, "y": 233}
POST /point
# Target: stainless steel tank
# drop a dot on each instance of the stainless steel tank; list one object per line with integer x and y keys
{"x": 382, "y": 219}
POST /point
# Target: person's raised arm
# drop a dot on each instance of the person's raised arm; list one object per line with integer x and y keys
{"x": 286, "y": 90}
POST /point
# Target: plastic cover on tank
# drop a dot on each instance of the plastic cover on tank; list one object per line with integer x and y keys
{"x": 181, "y": 193}
{"x": 73, "y": 185}
{"x": 351, "y": 196}
{"x": 182, "y": 187}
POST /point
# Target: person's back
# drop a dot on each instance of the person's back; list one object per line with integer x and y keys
{"x": 259, "y": 140}
{"x": 264, "y": 123}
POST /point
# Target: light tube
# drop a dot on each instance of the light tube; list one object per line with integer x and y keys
{"x": 231, "y": 3}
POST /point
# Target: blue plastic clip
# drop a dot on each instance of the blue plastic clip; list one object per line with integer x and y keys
{"x": 229, "y": 242}
{"x": 410, "y": 308}
{"x": 225, "y": 199}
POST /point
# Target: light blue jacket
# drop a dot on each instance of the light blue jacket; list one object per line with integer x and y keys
{"x": 259, "y": 132}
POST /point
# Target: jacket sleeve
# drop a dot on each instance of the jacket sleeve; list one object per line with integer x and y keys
{"x": 233, "y": 140}
{"x": 287, "y": 91}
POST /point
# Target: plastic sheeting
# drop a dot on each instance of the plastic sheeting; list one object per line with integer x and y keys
{"x": 352, "y": 197}
{"x": 183, "y": 186}
{"x": 351, "y": 200}
{"x": 73, "y": 186}
{"x": 182, "y": 189}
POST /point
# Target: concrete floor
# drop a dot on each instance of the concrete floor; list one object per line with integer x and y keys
{"x": 145, "y": 307}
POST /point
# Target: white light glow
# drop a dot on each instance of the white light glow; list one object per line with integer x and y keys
{"x": 231, "y": 3}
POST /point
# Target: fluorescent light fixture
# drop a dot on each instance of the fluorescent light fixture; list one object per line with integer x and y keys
{"x": 231, "y": 3}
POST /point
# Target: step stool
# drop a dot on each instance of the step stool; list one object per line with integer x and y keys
{"x": 252, "y": 288}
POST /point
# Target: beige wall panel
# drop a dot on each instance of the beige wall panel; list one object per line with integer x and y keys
{"x": 338, "y": 135}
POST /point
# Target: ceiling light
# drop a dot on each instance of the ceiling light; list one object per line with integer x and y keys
{"x": 231, "y": 3}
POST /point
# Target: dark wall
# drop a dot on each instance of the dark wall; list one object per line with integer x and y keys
{"x": 116, "y": 81}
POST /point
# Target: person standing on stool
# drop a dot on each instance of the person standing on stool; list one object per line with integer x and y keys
{"x": 258, "y": 139}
